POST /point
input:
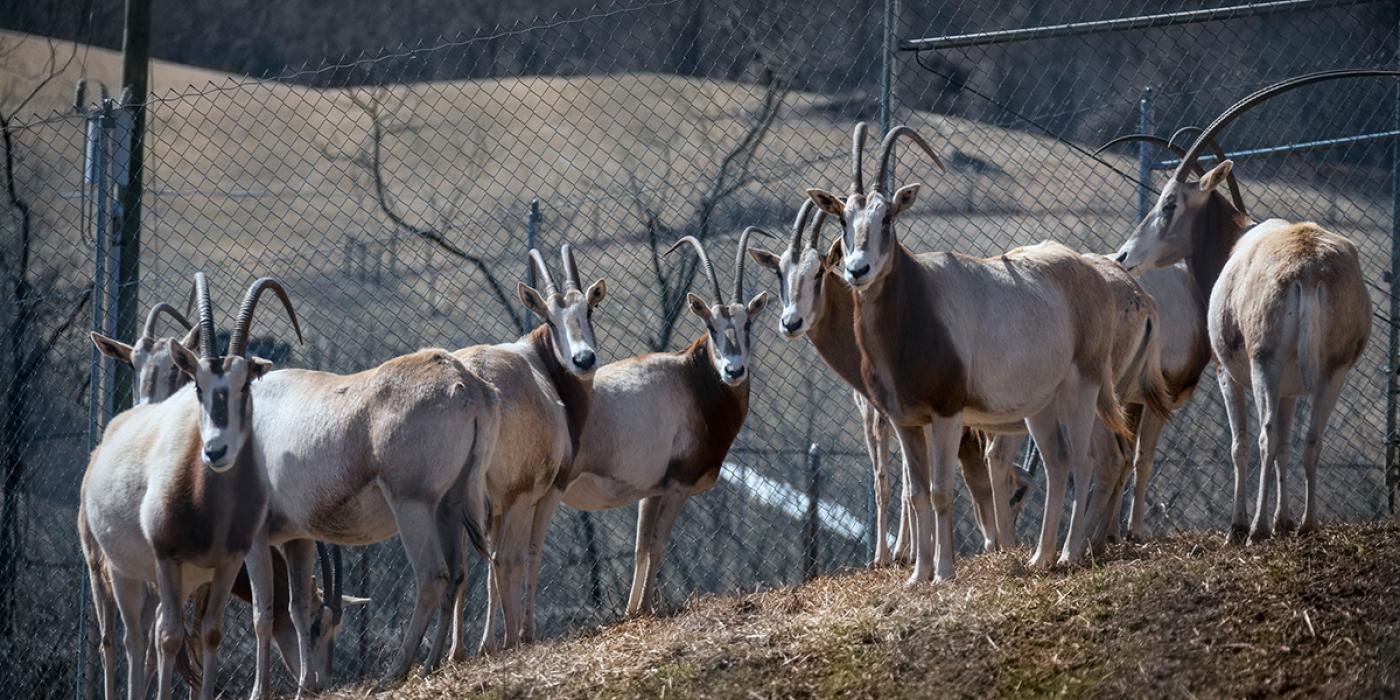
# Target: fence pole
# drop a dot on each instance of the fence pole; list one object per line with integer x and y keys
{"x": 1144, "y": 155}
{"x": 136, "y": 58}
{"x": 532, "y": 231}
{"x": 811, "y": 547}
{"x": 887, "y": 48}
{"x": 1392, "y": 440}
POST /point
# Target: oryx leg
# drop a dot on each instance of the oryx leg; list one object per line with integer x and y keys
{"x": 1233, "y": 392}
{"x": 1283, "y": 514}
{"x": 1080, "y": 418}
{"x": 170, "y": 627}
{"x": 459, "y": 611}
{"x": 1001, "y": 456}
{"x": 211, "y": 630}
{"x": 1053, "y": 439}
{"x": 1149, "y": 432}
{"x": 260, "y": 579}
{"x": 1324, "y": 400}
{"x": 1267, "y": 401}
{"x": 944, "y": 436}
{"x": 976, "y": 475}
{"x": 453, "y": 537}
{"x": 1108, "y": 460}
{"x": 544, "y": 513}
{"x": 130, "y": 596}
{"x": 416, "y": 520}
{"x": 651, "y": 546}
{"x": 301, "y": 557}
{"x": 512, "y": 561}
{"x": 875, "y": 446}
{"x": 914, "y": 445}
{"x": 105, "y": 607}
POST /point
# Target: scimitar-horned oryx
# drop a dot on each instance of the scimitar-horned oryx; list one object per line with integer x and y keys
{"x": 662, "y": 423}
{"x": 545, "y": 379}
{"x": 1042, "y": 331}
{"x": 1288, "y": 311}
{"x": 173, "y": 495}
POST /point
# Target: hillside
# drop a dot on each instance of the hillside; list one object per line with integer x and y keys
{"x": 1183, "y": 617}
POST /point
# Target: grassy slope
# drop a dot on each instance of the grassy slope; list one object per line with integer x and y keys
{"x": 1182, "y": 617}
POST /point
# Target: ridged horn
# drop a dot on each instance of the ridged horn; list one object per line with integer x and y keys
{"x": 740, "y": 255}
{"x": 207, "y": 342}
{"x": 542, "y": 273}
{"x": 238, "y": 339}
{"x": 566, "y": 254}
{"x": 887, "y": 149}
{"x": 857, "y": 153}
{"x": 803, "y": 214}
{"x": 148, "y": 331}
{"x": 1236, "y": 195}
{"x": 704, "y": 262}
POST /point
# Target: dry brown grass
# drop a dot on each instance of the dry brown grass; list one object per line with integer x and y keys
{"x": 1183, "y": 617}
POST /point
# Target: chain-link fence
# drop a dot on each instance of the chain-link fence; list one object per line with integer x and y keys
{"x": 392, "y": 193}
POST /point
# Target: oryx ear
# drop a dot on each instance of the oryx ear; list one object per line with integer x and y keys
{"x": 257, "y": 367}
{"x": 834, "y": 254}
{"x": 1216, "y": 176}
{"x": 904, "y": 198}
{"x": 185, "y": 359}
{"x": 532, "y": 300}
{"x": 765, "y": 258}
{"x": 698, "y": 306}
{"x": 757, "y": 304}
{"x": 596, "y": 292}
{"x": 110, "y": 347}
{"x": 191, "y": 339}
{"x": 827, "y": 202}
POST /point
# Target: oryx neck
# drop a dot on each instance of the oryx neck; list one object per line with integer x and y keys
{"x": 574, "y": 391}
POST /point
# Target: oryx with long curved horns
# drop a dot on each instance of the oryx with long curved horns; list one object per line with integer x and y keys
{"x": 1288, "y": 314}
{"x": 662, "y": 423}
{"x": 544, "y": 378}
{"x": 1041, "y": 323}
{"x": 174, "y": 496}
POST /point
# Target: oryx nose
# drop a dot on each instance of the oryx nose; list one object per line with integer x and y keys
{"x": 791, "y": 324}
{"x": 859, "y": 271}
{"x": 1121, "y": 257}
{"x": 212, "y": 455}
{"x": 734, "y": 372}
{"x": 584, "y": 359}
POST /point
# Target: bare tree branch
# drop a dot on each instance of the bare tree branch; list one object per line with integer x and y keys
{"x": 374, "y": 165}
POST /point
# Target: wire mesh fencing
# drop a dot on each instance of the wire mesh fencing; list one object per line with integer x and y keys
{"x": 392, "y": 193}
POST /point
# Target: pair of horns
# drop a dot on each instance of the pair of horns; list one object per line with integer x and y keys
{"x": 571, "y": 278}
{"x": 238, "y": 339}
{"x": 804, "y": 213}
{"x": 886, "y": 151}
{"x": 1236, "y": 194}
{"x": 739, "y": 256}
{"x": 333, "y": 573}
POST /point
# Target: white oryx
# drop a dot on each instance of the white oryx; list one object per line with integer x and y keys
{"x": 1288, "y": 314}
{"x": 355, "y": 459}
{"x": 1041, "y": 323}
{"x": 173, "y": 496}
{"x": 544, "y": 379}
{"x": 818, "y": 305}
{"x": 661, "y": 423}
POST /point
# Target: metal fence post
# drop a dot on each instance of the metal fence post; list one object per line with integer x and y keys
{"x": 887, "y": 49}
{"x": 1392, "y": 440}
{"x": 811, "y": 546}
{"x": 1144, "y": 155}
{"x": 532, "y": 231}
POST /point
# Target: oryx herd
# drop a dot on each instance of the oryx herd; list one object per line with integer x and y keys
{"x": 230, "y": 478}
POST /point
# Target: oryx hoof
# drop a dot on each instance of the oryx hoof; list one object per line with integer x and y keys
{"x": 1239, "y": 534}
{"x": 1284, "y": 526}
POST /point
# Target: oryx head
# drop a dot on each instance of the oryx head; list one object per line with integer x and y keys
{"x": 569, "y": 314}
{"x": 326, "y": 618}
{"x": 1187, "y": 214}
{"x": 155, "y": 375}
{"x": 801, "y": 271}
{"x": 222, "y": 382}
{"x": 729, "y": 325}
{"x": 867, "y": 218}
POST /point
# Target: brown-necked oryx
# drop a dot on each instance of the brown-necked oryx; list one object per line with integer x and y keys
{"x": 661, "y": 423}
{"x": 948, "y": 340}
{"x": 1288, "y": 314}
{"x": 545, "y": 379}
{"x": 818, "y": 305}
{"x": 174, "y": 496}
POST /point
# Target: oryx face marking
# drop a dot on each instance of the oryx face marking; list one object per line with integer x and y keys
{"x": 223, "y": 388}
{"x": 800, "y": 279}
{"x": 1180, "y": 217}
{"x": 569, "y": 316}
{"x": 730, "y": 329}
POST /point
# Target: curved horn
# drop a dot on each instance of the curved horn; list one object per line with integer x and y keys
{"x": 803, "y": 214}
{"x": 739, "y": 256}
{"x": 570, "y": 267}
{"x": 1215, "y": 127}
{"x": 542, "y": 272}
{"x": 149, "y": 330}
{"x": 1236, "y": 195}
{"x": 887, "y": 149}
{"x": 857, "y": 152}
{"x": 1148, "y": 138}
{"x": 208, "y": 344}
{"x": 238, "y": 340}
{"x": 817, "y": 231}
{"x": 704, "y": 262}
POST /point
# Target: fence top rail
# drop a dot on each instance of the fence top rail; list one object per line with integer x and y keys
{"x": 1285, "y": 148}
{"x": 1164, "y": 19}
